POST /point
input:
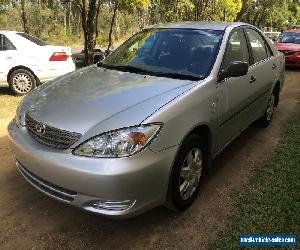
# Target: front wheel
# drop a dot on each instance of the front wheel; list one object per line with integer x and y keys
{"x": 21, "y": 82}
{"x": 187, "y": 171}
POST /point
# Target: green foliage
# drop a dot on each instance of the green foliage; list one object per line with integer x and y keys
{"x": 8, "y": 20}
{"x": 59, "y": 21}
{"x": 271, "y": 203}
{"x": 133, "y": 4}
{"x": 227, "y": 10}
{"x": 270, "y": 13}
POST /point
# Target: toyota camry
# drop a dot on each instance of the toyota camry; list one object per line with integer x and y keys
{"x": 139, "y": 129}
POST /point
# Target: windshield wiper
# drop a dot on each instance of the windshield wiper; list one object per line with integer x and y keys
{"x": 125, "y": 68}
{"x": 132, "y": 69}
{"x": 178, "y": 76}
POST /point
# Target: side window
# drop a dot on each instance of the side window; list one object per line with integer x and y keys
{"x": 258, "y": 45}
{"x": 236, "y": 49}
{"x": 5, "y": 44}
{"x": 269, "y": 51}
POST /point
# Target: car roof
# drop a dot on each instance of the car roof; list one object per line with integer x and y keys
{"x": 9, "y": 32}
{"x": 196, "y": 25}
{"x": 293, "y": 30}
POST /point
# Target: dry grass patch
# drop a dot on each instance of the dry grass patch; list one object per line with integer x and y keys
{"x": 8, "y": 103}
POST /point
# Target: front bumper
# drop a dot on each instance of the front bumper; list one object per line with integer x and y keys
{"x": 120, "y": 187}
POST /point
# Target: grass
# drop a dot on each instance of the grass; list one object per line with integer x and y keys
{"x": 8, "y": 103}
{"x": 270, "y": 204}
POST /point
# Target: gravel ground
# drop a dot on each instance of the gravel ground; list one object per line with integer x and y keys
{"x": 31, "y": 220}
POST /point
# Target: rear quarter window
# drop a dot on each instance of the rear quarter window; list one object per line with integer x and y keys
{"x": 5, "y": 43}
{"x": 33, "y": 39}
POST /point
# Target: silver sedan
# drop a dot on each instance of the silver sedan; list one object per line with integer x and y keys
{"x": 138, "y": 129}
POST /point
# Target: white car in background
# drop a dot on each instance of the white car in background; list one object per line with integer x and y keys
{"x": 26, "y": 61}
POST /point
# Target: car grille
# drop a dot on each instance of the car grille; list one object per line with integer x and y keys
{"x": 50, "y": 136}
{"x": 50, "y": 189}
{"x": 287, "y": 52}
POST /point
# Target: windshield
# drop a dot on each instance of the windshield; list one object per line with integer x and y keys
{"x": 289, "y": 37}
{"x": 174, "y": 53}
{"x": 33, "y": 39}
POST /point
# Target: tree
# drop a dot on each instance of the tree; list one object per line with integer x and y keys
{"x": 228, "y": 9}
{"x": 89, "y": 10}
{"x": 113, "y": 20}
{"x": 269, "y": 13}
{"x": 65, "y": 22}
{"x": 24, "y": 17}
{"x": 204, "y": 9}
{"x": 125, "y": 5}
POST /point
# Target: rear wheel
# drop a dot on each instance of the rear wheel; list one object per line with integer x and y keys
{"x": 21, "y": 82}
{"x": 266, "y": 119}
{"x": 187, "y": 171}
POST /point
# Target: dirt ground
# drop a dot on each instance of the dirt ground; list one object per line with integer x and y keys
{"x": 29, "y": 219}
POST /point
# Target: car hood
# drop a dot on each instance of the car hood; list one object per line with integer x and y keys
{"x": 287, "y": 46}
{"x": 83, "y": 99}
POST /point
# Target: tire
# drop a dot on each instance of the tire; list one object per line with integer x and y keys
{"x": 184, "y": 184}
{"x": 21, "y": 82}
{"x": 267, "y": 117}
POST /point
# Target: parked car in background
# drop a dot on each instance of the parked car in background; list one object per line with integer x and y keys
{"x": 78, "y": 58}
{"x": 26, "y": 61}
{"x": 289, "y": 44}
{"x": 138, "y": 129}
{"x": 99, "y": 55}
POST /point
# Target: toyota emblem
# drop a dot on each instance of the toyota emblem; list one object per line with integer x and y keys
{"x": 40, "y": 128}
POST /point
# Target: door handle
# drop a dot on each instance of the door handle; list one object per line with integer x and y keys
{"x": 274, "y": 66}
{"x": 252, "y": 79}
{"x": 9, "y": 57}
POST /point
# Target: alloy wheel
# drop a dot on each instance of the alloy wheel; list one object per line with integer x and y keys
{"x": 270, "y": 108}
{"x": 190, "y": 173}
{"x": 22, "y": 83}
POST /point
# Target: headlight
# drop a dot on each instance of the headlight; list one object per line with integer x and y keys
{"x": 21, "y": 109}
{"x": 18, "y": 115}
{"x": 118, "y": 143}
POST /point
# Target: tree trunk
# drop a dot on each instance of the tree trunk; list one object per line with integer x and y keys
{"x": 78, "y": 25}
{"x": 113, "y": 20}
{"x": 260, "y": 19}
{"x": 240, "y": 16}
{"x": 204, "y": 10}
{"x": 176, "y": 10}
{"x": 256, "y": 18}
{"x": 24, "y": 17}
{"x": 117, "y": 27}
{"x": 68, "y": 17}
{"x": 198, "y": 11}
{"x": 65, "y": 23}
{"x": 89, "y": 22}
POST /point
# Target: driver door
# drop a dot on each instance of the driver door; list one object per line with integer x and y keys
{"x": 234, "y": 91}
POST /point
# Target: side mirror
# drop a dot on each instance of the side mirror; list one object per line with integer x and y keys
{"x": 234, "y": 69}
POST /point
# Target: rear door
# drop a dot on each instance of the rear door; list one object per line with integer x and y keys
{"x": 7, "y": 57}
{"x": 262, "y": 72}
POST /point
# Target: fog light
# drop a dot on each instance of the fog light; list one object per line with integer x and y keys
{"x": 111, "y": 205}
